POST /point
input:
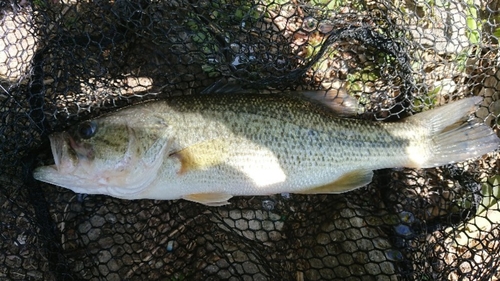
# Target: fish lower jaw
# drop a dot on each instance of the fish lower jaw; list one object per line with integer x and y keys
{"x": 112, "y": 191}
{"x": 130, "y": 192}
{"x": 44, "y": 173}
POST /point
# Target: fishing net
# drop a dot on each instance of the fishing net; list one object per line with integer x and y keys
{"x": 63, "y": 61}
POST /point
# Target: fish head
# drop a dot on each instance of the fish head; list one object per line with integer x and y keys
{"x": 114, "y": 155}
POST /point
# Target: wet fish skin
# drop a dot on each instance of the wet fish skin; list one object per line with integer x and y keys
{"x": 210, "y": 148}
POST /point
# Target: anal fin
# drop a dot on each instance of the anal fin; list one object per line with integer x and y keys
{"x": 349, "y": 181}
{"x": 214, "y": 199}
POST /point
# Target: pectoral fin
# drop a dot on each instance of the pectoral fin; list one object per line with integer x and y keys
{"x": 202, "y": 155}
{"x": 349, "y": 181}
{"x": 209, "y": 199}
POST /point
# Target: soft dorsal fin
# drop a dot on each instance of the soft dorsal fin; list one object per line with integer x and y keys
{"x": 337, "y": 100}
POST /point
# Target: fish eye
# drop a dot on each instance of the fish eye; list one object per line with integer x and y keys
{"x": 87, "y": 129}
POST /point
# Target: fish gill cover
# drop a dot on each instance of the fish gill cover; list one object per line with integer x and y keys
{"x": 64, "y": 61}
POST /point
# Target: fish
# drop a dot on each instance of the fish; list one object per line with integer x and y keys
{"x": 209, "y": 148}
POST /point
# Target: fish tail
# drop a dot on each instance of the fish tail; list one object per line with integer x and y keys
{"x": 454, "y": 135}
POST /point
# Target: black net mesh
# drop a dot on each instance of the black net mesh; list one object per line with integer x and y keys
{"x": 62, "y": 61}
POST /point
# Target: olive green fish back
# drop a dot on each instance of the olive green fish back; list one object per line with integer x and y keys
{"x": 65, "y": 61}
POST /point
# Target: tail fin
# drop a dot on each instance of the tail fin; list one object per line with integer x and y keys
{"x": 454, "y": 135}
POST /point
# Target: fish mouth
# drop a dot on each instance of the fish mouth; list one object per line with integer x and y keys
{"x": 56, "y": 142}
{"x": 62, "y": 152}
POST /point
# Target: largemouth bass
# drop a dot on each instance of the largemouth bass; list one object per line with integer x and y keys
{"x": 209, "y": 148}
